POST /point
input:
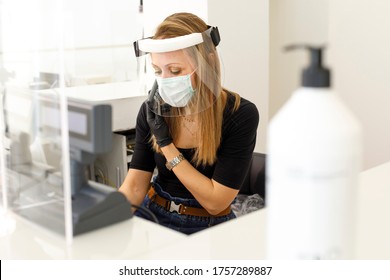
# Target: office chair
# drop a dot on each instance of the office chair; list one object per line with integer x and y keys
{"x": 251, "y": 196}
{"x": 255, "y": 179}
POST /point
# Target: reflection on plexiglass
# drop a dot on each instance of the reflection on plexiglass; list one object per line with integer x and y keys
{"x": 33, "y": 169}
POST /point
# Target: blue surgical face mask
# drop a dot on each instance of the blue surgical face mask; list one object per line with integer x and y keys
{"x": 176, "y": 91}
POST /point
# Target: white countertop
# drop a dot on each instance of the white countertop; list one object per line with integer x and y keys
{"x": 105, "y": 92}
{"x": 125, "y": 240}
{"x": 125, "y": 98}
{"x": 373, "y": 223}
{"x": 242, "y": 238}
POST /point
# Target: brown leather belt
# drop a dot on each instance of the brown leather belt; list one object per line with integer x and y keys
{"x": 171, "y": 206}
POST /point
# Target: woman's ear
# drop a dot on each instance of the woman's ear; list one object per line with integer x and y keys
{"x": 212, "y": 57}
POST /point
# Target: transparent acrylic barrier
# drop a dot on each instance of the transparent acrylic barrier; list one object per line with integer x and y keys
{"x": 33, "y": 159}
{"x": 45, "y": 145}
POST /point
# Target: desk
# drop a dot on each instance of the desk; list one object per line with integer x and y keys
{"x": 373, "y": 225}
{"x": 242, "y": 238}
{"x": 125, "y": 240}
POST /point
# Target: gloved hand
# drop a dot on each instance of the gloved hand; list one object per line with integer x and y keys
{"x": 158, "y": 127}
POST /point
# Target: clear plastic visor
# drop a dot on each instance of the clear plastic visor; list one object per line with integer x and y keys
{"x": 181, "y": 82}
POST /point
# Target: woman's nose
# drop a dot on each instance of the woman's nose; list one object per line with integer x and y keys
{"x": 165, "y": 74}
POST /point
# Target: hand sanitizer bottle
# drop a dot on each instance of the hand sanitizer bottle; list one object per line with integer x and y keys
{"x": 313, "y": 160}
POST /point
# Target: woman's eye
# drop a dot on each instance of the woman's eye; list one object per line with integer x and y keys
{"x": 175, "y": 71}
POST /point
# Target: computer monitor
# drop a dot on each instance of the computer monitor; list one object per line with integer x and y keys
{"x": 90, "y": 126}
{"x": 94, "y": 205}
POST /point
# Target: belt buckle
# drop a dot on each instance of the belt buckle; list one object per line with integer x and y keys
{"x": 174, "y": 207}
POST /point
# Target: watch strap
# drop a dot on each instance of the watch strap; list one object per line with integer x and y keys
{"x": 174, "y": 162}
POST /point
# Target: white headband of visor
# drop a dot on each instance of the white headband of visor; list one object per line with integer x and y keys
{"x": 149, "y": 45}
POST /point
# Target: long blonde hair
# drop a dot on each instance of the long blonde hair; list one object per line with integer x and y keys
{"x": 208, "y": 83}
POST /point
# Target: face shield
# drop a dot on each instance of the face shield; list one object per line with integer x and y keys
{"x": 182, "y": 73}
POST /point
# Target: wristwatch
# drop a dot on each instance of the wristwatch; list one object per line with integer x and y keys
{"x": 175, "y": 161}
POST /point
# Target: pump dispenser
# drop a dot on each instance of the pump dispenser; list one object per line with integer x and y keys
{"x": 313, "y": 160}
{"x": 315, "y": 75}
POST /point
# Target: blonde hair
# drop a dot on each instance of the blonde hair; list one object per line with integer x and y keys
{"x": 208, "y": 83}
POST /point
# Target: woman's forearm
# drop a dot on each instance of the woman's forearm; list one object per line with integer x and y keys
{"x": 213, "y": 196}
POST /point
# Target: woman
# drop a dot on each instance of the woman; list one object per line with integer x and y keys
{"x": 199, "y": 135}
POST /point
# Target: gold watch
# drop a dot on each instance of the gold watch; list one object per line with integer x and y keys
{"x": 175, "y": 161}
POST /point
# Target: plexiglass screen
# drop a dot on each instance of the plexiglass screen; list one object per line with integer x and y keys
{"x": 49, "y": 48}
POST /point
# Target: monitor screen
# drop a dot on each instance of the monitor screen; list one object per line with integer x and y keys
{"x": 90, "y": 125}
{"x": 78, "y": 123}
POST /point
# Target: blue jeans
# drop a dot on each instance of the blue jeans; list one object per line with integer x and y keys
{"x": 184, "y": 223}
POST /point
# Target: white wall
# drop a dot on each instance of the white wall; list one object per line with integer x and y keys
{"x": 157, "y": 10}
{"x": 291, "y": 22}
{"x": 358, "y": 53}
{"x": 359, "y": 39}
{"x": 243, "y": 26}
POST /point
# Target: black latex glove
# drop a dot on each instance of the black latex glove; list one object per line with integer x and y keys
{"x": 158, "y": 127}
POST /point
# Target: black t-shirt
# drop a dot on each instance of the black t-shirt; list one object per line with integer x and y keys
{"x": 233, "y": 156}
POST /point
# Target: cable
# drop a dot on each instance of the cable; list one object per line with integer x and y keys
{"x": 147, "y": 212}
